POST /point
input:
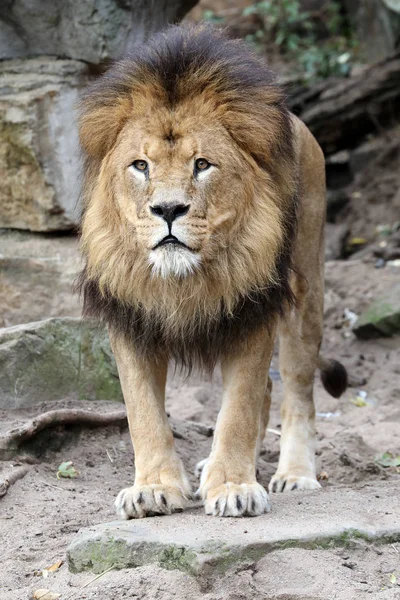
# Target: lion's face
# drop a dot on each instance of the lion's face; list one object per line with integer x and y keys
{"x": 180, "y": 187}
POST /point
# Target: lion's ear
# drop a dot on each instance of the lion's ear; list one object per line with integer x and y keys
{"x": 100, "y": 124}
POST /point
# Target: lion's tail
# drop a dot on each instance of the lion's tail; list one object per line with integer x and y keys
{"x": 333, "y": 376}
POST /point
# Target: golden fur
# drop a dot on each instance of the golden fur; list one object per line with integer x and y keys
{"x": 191, "y": 93}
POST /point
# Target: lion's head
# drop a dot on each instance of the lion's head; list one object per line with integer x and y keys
{"x": 190, "y": 186}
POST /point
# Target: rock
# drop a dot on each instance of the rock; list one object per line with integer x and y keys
{"x": 336, "y": 200}
{"x": 337, "y": 167}
{"x": 381, "y": 318}
{"x": 36, "y": 277}
{"x": 204, "y": 546}
{"x": 39, "y": 151}
{"x": 336, "y": 237}
{"x": 388, "y": 248}
{"x": 56, "y": 359}
{"x": 91, "y": 31}
{"x": 377, "y": 23}
{"x": 367, "y": 152}
{"x": 342, "y": 116}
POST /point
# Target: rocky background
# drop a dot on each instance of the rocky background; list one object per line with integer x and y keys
{"x": 340, "y": 64}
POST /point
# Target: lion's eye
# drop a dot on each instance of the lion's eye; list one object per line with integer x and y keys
{"x": 140, "y": 165}
{"x": 201, "y": 164}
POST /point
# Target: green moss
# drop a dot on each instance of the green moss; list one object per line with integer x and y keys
{"x": 16, "y": 151}
{"x": 182, "y": 559}
{"x": 97, "y": 372}
{"x": 97, "y": 556}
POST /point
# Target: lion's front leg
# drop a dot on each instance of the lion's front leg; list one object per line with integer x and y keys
{"x": 228, "y": 483}
{"x": 161, "y": 485}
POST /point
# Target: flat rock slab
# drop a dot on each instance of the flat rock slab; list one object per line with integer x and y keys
{"x": 205, "y": 546}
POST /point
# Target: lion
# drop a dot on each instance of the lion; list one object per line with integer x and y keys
{"x": 203, "y": 238}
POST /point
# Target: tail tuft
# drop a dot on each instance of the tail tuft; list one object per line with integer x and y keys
{"x": 334, "y": 377}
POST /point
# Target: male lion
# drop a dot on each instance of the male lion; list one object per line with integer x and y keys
{"x": 202, "y": 230}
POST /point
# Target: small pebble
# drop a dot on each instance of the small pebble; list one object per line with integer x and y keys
{"x": 380, "y": 263}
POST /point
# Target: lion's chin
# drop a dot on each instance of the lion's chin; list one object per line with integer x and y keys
{"x": 173, "y": 261}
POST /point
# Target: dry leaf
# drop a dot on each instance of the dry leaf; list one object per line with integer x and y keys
{"x": 44, "y": 594}
{"x": 388, "y": 460}
{"x": 358, "y": 241}
{"x": 54, "y": 567}
{"x": 358, "y": 401}
{"x": 323, "y": 476}
{"x": 393, "y": 578}
{"x": 67, "y": 469}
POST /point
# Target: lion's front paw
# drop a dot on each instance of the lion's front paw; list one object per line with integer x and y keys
{"x": 284, "y": 482}
{"x": 141, "y": 501}
{"x": 237, "y": 500}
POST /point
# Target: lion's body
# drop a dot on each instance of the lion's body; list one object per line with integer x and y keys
{"x": 246, "y": 259}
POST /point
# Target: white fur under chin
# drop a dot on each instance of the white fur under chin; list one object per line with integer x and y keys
{"x": 173, "y": 260}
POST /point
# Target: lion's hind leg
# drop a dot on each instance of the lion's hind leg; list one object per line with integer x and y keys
{"x": 300, "y": 336}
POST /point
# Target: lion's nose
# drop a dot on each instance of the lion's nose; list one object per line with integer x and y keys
{"x": 170, "y": 212}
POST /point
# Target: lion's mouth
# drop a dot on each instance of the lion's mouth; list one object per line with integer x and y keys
{"x": 170, "y": 239}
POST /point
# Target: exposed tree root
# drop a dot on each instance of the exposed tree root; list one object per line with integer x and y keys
{"x": 13, "y": 439}
{"x": 53, "y": 418}
{"x": 11, "y": 477}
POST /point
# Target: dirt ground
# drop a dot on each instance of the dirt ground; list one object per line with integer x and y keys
{"x": 40, "y": 515}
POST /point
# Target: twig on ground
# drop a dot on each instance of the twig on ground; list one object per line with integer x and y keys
{"x": 11, "y": 477}
{"x": 57, "y": 487}
{"x": 74, "y": 592}
{"x": 97, "y": 577}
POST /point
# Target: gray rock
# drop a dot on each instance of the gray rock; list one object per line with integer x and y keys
{"x": 381, "y": 318}
{"x": 377, "y": 23}
{"x": 37, "y": 272}
{"x": 366, "y": 153}
{"x": 336, "y": 236}
{"x": 336, "y": 201}
{"x": 92, "y": 31}
{"x": 337, "y": 168}
{"x": 55, "y": 359}
{"x": 205, "y": 546}
{"x": 39, "y": 150}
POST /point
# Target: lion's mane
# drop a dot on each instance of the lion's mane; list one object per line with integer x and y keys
{"x": 196, "y": 319}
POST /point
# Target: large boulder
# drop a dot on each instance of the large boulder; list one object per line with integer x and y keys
{"x": 56, "y": 359}
{"x": 91, "y": 31}
{"x": 39, "y": 150}
{"x": 37, "y": 272}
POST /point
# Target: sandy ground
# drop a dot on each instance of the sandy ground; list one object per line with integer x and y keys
{"x": 40, "y": 515}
